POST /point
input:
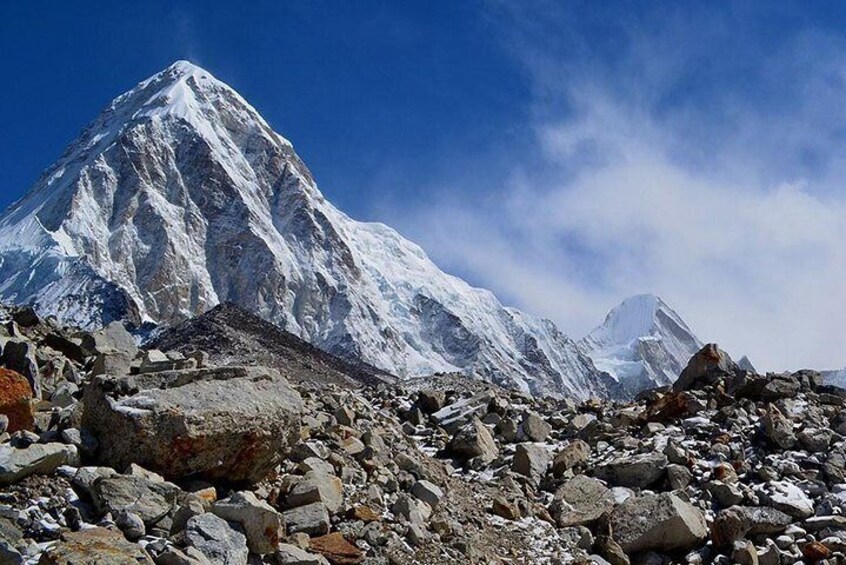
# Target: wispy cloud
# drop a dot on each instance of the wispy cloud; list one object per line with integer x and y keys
{"x": 682, "y": 154}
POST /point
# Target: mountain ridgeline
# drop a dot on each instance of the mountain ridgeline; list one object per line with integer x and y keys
{"x": 179, "y": 197}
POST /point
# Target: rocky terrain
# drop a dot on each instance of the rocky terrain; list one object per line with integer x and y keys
{"x": 115, "y": 454}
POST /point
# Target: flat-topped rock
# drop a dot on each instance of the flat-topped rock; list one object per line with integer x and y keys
{"x": 223, "y": 423}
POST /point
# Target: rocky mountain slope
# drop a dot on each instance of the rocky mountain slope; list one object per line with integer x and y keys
{"x": 114, "y": 454}
{"x": 642, "y": 343}
{"x": 232, "y": 336}
{"x": 179, "y": 196}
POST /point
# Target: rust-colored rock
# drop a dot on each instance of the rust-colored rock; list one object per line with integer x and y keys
{"x": 16, "y": 400}
{"x": 364, "y": 513}
{"x": 671, "y": 405}
{"x": 336, "y": 549}
{"x": 815, "y": 551}
{"x": 95, "y": 546}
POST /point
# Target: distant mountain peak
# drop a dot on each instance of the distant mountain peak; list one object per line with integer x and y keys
{"x": 642, "y": 343}
{"x": 179, "y": 196}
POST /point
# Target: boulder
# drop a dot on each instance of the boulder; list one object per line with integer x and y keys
{"x": 430, "y": 401}
{"x": 112, "y": 363}
{"x": 288, "y": 554}
{"x": 580, "y": 501}
{"x": 150, "y": 500}
{"x": 534, "y": 427}
{"x": 40, "y": 458}
{"x": 337, "y": 549}
{"x": 95, "y": 546}
{"x": 531, "y": 460}
{"x": 19, "y": 356}
{"x": 705, "y": 367}
{"x": 317, "y": 487}
{"x": 225, "y": 423}
{"x": 216, "y": 540}
{"x": 474, "y": 440}
{"x": 312, "y": 519}
{"x": 574, "y": 453}
{"x": 260, "y": 522}
{"x": 778, "y": 428}
{"x": 16, "y": 401}
{"x": 638, "y": 471}
{"x": 661, "y": 522}
{"x": 112, "y": 338}
{"x": 734, "y": 523}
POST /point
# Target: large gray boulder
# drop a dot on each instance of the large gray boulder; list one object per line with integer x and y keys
{"x": 19, "y": 356}
{"x": 581, "y": 500}
{"x": 638, "y": 471}
{"x": 474, "y": 440}
{"x": 149, "y": 500}
{"x": 113, "y": 338}
{"x": 224, "y": 423}
{"x": 40, "y": 459}
{"x": 531, "y": 460}
{"x": 661, "y": 522}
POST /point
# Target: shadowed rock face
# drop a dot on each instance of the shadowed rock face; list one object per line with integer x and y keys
{"x": 233, "y": 336}
{"x": 226, "y": 423}
{"x": 179, "y": 197}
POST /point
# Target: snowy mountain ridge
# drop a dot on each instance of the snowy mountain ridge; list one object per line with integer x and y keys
{"x": 179, "y": 196}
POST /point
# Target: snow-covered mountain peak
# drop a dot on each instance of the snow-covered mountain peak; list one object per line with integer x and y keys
{"x": 179, "y": 196}
{"x": 642, "y": 343}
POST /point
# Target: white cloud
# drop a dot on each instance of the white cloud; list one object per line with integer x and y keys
{"x": 733, "y": 211}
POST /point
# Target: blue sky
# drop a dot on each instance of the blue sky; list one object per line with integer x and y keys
{"x": 563, "y": 154}
{"x": 357, "y": 86}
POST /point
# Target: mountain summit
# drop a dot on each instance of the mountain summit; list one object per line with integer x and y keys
{"x": 179, "y": 197}
{"x": 642, "y": 343}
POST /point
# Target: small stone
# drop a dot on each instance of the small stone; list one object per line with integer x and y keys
{"x": 96, "y": 545}
{"x": 312, "y": 519}
{"x": 581, "y": 500}
{"x": 260, "y": 522}
{"x": 678, "y": 477}
{"x": 337, "y": 549}
{"x": 216, "y": 540}
{"x": 345, "y": 416}
{"x": 777, "y": 428}
{"x": 430, "y": 401}
{"x": 131, "y": 525}
{"x": 411, "y": 510}
{"x": 292, "y": 555}
{"x": 725, "y": 494}
{"x": 317, "y": 487}
{"x": 19, "y": 357}
{"x": 505, "y": 509}
{"x": 815, "y": 551}
{"x": 364, "y": 513}
{"x": 427, "y": 492}
{"x": 744, "y": 553}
